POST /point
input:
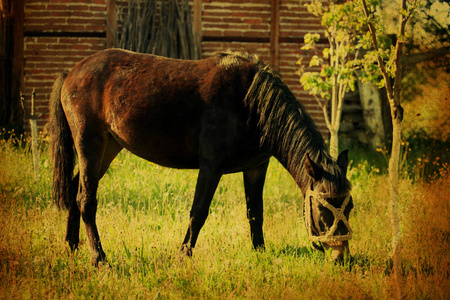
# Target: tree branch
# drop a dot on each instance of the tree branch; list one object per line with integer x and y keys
{"x": 380, "y": 61}
{"x": 416, "y": 58}
{"x": 325, "y": 112}
{"x": 398, "y": 110}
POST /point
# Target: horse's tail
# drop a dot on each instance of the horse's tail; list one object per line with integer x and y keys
{"x": 61, "y": 146}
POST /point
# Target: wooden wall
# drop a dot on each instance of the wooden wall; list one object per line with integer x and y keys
{"x": 59, "y": 33}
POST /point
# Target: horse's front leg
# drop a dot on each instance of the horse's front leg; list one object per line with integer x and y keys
{"x": 207, "y": 182}
{"x": 254, "y": 183}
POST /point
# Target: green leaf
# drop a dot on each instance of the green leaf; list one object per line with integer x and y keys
{"x": 311, "y": 38}
{"x": 326, "y": 53}
{"x": 315, "y": 61}
{"x": 308, "y": 47}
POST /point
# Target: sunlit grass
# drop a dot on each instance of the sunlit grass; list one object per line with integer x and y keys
{"x": 143, "y": 216}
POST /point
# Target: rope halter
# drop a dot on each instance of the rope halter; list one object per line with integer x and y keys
{"x": 338, "y": 213}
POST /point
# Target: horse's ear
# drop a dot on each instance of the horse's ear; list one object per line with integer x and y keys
{"x": 312, "y": 169}
{"x": 342, "y": 160}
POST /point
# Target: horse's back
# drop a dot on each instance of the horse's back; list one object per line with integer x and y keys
{"x": 154, "y": 106}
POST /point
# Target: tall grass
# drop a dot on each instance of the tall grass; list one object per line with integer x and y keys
{"x": 143, "y": 216}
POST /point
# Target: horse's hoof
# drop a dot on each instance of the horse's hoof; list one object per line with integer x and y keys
{"x": 99, "y": 259}
{"x": 104, "y": 265}
{"x": 186, "y": 251}
{"x": 71, "y": 247}
{"x": 259, "y": 248}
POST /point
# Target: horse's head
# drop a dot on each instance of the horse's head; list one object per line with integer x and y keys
{"x": 327, "y": 206}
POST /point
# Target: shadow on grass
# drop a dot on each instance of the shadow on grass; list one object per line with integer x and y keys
{"x": 357, "y": 261}
{"x": 296, "y": 251}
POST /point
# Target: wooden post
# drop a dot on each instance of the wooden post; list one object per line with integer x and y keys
{"x": 275, "y": 32}
{"x": 34, "y": 133}
{"x": 198, "y": 30}
{"x": 110, "y": 23}
{"x": 34, "y": 136}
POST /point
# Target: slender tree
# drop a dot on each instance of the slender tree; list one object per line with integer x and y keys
{"x": 348, "y": 27}
{"x": 338, "y": 61}
{"x": 389, "y": 64}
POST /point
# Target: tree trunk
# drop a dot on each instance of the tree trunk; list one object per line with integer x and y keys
{"x": 397, "y": 117}
{"x": 394, "y": 200}
{"x": 334, "y": 143}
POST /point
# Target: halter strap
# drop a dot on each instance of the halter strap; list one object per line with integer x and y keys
{"x": 338, "y": 214}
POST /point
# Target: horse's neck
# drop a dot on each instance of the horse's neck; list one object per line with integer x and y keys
{"x": 291, "y": 148}
{"x": 295, "y": 166}
{"x": 284, "y": 126}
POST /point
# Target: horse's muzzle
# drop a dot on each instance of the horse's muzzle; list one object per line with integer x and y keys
{"x": 329, "y": 240}
{"x": 339, "y": 250}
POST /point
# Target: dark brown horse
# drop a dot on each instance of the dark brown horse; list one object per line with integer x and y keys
{"x": 228, "y": 113}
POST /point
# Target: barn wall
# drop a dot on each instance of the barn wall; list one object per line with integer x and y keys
{"x": 226, "y": 23}
{"x": 59, "y": 33}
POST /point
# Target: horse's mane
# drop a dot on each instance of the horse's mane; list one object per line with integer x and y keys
{"x": 230, "y": 59}
{"x": 284, "y": 124}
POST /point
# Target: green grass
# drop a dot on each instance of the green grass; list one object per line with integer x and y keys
{"x": 143, "y": 216}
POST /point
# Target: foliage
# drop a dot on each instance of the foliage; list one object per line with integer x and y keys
{"x": 338, "y": 61}
{"x": 425, "y": 39}
{"x": 13, "y": 134}
{"x": 390, "y": 67}
{"x": 385, "y": 46}
{"x": 427, "y": 156}
{"x": 429, "y": 28}
{"x": 336, "y": 20}
{"x": 142, "y": 217}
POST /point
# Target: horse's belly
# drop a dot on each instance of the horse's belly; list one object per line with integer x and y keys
{"x": 172, "y": 155}
{"x": 183, "y": 153}
{"x": 174, "y": 151}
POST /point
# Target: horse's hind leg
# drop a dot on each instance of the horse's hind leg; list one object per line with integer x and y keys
{"x": 254, "y": 183}
{"x": 95, "y": 153}
{"x": 73, "y": 217}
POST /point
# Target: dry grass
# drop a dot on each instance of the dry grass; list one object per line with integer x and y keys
{"x": 427, "y": 240}
{"x": 143, "y": 216}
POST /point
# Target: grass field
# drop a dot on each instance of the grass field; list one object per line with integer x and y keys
{"x": 143, "y": 215}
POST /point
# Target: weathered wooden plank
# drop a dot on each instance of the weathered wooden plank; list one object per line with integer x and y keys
{"x": 275, "y": 33}
{"x": 17, "y": 60}
{"x": 110, "y": 23}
